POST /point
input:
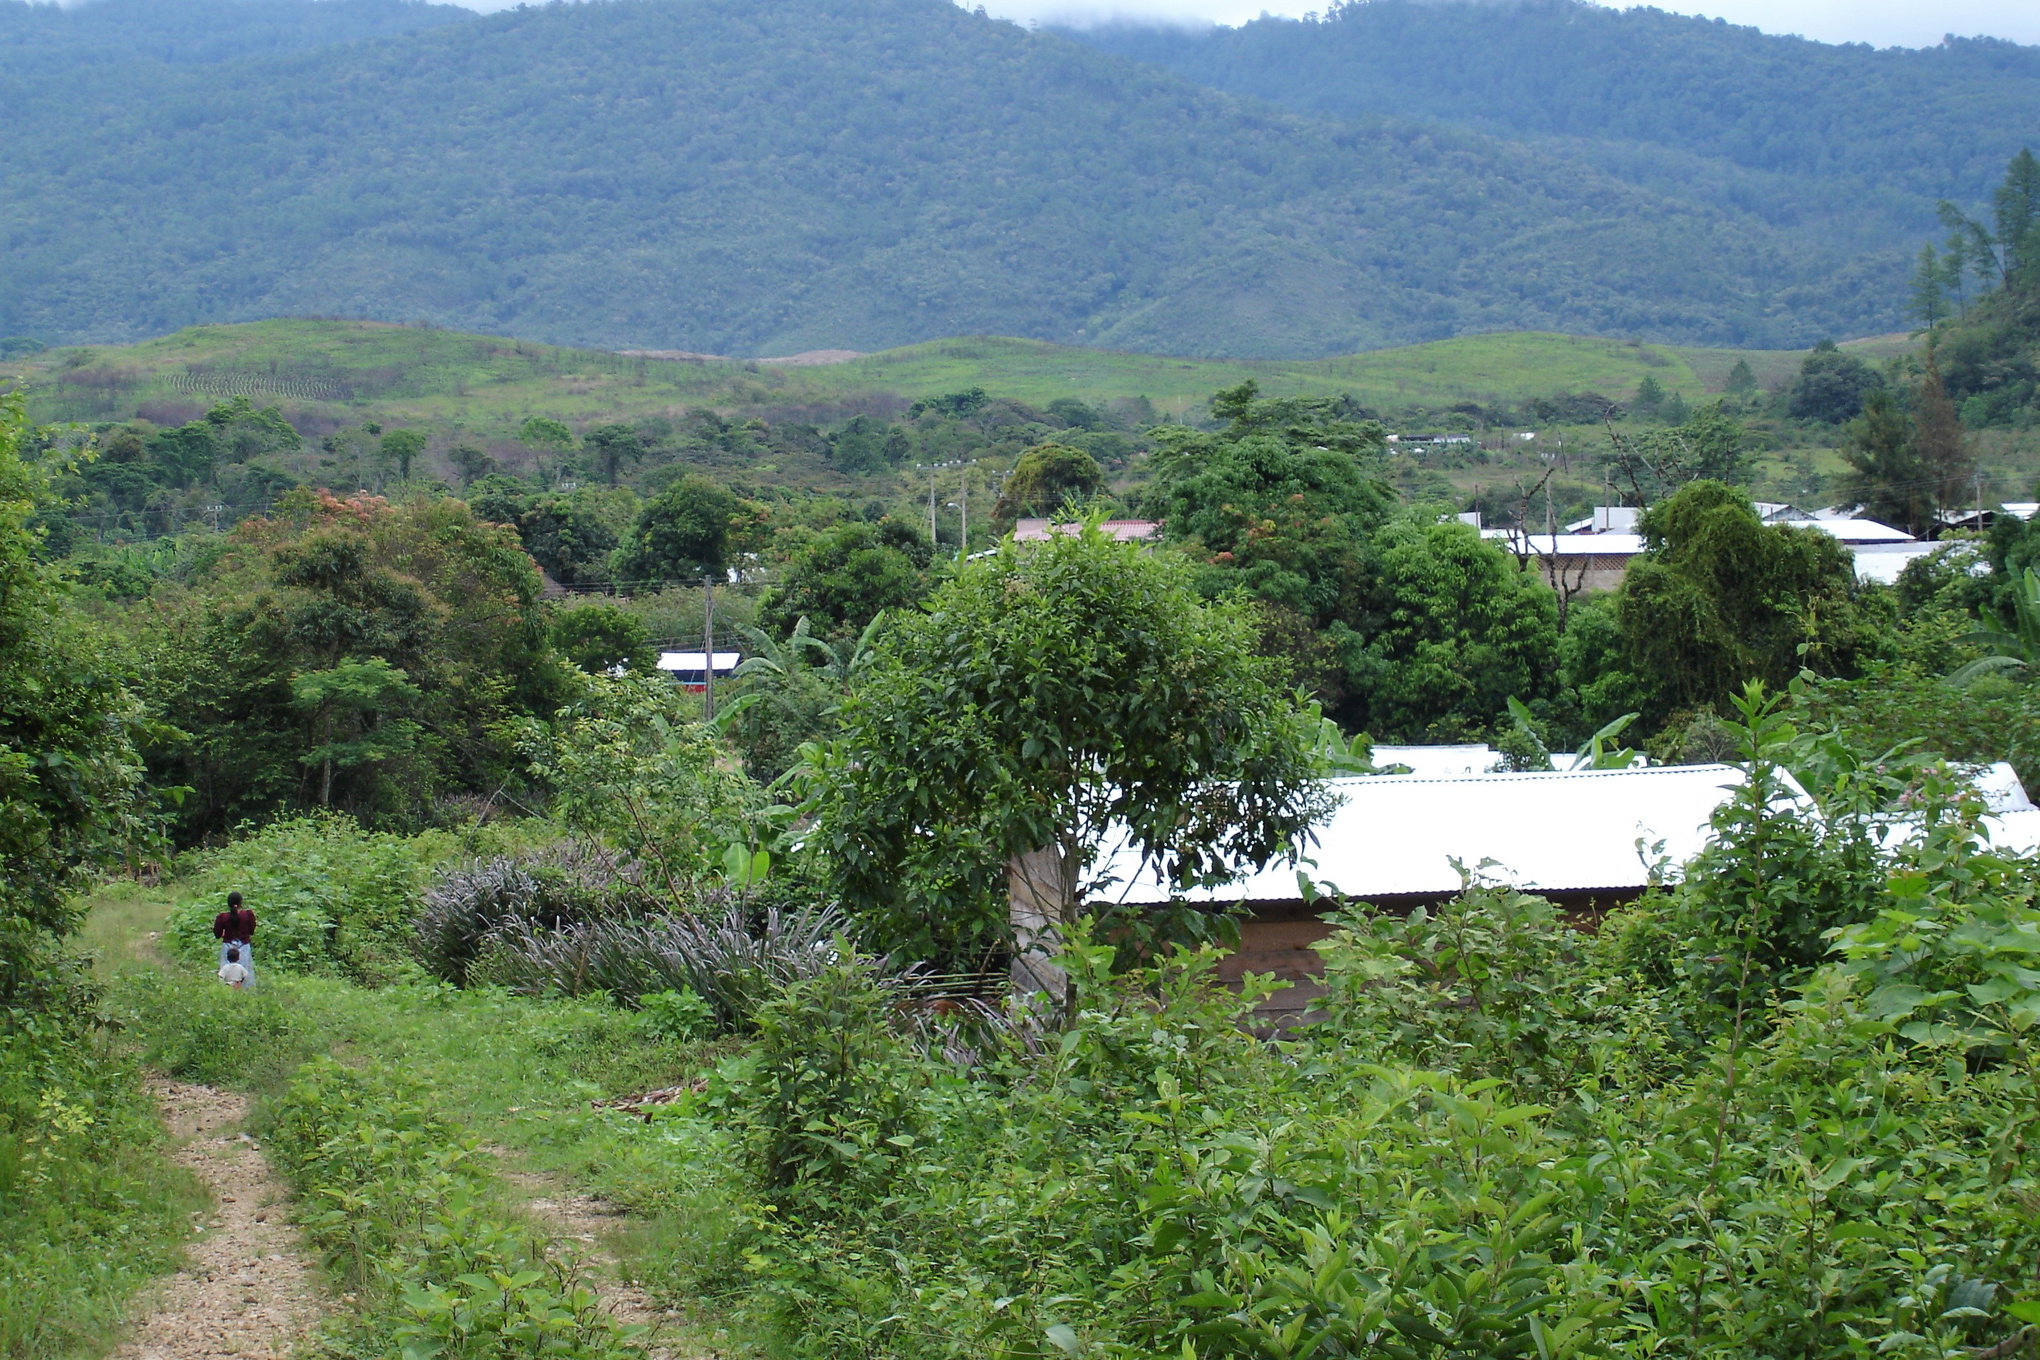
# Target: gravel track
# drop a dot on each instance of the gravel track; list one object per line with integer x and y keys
{"x": 247, "y": 1289}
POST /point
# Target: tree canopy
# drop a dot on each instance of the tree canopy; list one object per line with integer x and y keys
{"x": 1044, "y": 695}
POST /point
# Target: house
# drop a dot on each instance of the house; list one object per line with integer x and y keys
{"x": 1574, "y": 563}
{"x": 1594, "y": 553}
{"x": 1121, "y": 530}
{"x": 1588, "y": 840}
{"x": 690, "y": 669}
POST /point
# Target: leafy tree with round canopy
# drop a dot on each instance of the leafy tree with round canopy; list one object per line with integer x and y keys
{"x": 1447, "y": 628}
{"x": 1044, "y": 478}
{"x": 1831, "y": 385}
{"x": 543, "y": 432}
{"x": 401, "y": 448}
{"x": 1720, "y": 598}
{"x": 682, "y": 534}
{"x": 1279, "y": 503}
{"x": 1045, "y": 694}
{"x": 602, "y": 638}
{"x": 847, "y": 576}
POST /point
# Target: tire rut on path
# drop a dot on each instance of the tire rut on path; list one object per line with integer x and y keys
{"x": 247, "y": 1288}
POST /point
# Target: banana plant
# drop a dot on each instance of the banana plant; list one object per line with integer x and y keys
{"x": 2013, "y": 643}
{"x": 1600, "y": 751}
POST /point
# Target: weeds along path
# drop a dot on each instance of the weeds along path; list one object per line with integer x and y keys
{"x": 248, "y": 1289}
{"x": 583, "y": 1225}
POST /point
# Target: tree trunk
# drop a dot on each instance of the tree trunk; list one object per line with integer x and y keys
{"x": 1039, "y": 887}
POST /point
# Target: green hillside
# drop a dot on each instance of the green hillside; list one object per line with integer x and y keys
{"x": 725, "y": 177}
{"x": 1843, "y": 143}
{"x": 330, "y": 370}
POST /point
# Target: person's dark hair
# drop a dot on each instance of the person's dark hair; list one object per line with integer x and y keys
{"x": 233, "y": 899}
{"x": 233, "y": 956}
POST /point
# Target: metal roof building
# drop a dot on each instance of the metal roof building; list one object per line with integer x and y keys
{"x": 1395, "y": 837}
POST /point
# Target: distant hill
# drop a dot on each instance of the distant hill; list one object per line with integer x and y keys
{"x": 43, "y": 39}
{"x": 1846, "y": 144}
{"x": 731, "y": 177}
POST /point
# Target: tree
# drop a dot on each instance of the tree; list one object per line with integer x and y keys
{"x": 1831, "y": 385}
{"x": 1447, "y": 628}
{"x": 682, "y": 534}
{"x": 1045, "y": 695}
{"x": 847, "y": 576}
{"x": 1741, "y": 381}
{"x": 471, "y": 463}
{"x": 543, "y": 432}
{"x": 1719, "y": 598}
{"x": 602, "y": 638}
{"x": 1938, "y": 437}
{"x": 1046, "y": 477}
{"x": 1887, "y": 474}
{"x": 321, "y": 588}
{"x": 573, "y": 535}
{"x": 400, "y": 448}
{"x": 613, "y": 446}
{"x": 353, "y": 711}
{"x": 70, "y": 780}
{"x": 1928, "y": 304}
{"x": 1650, "y": 395}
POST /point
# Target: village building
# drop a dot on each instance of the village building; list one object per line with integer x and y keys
{"x": 690, "y": 670}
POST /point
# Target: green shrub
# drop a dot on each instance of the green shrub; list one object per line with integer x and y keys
{"x": 329, "y": 897}
{"x": 830, "y": 1097}
{"x": 675, "y": 1017}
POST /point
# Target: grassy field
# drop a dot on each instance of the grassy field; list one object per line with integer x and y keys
{"x": 329, "y": 372}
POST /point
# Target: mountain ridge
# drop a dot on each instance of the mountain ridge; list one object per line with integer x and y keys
{"x": 718, "y": 177}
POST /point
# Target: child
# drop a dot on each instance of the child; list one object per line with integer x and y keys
{"x": 231, "y": 972}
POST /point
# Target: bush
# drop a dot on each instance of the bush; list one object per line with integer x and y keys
{"x": 329, "y": 898}
{"x": 567, "y": 884}
{"x": 829, "y": 1099}
{"x": 732, "y": 955}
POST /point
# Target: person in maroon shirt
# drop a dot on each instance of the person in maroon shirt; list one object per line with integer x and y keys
{"x": 234, "y": 928}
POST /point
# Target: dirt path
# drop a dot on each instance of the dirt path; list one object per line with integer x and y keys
{"x": 583, "y": 1224}
{"x": 247, "y": 1288}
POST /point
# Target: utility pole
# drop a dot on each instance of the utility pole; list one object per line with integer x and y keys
{"x": 931, "y": 506}
{"x": 708, "y": 648}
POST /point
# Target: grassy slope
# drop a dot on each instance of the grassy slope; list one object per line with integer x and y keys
{"x": 333, "y": 370}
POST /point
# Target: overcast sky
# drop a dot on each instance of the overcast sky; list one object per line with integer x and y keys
{"x": 1883, "y": 23}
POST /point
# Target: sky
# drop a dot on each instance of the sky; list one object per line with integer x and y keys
{"x": 1881, "y": 23}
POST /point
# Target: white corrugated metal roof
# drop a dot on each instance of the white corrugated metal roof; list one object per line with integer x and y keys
{"x": 1437, "y": 761}
{"x": 1567, "y": 545}
{"x": 1398, "y": 834}
{"x": 1884, "y": 561}
{"x": 1859, "y": 530}
{"x": 694, "y": 661}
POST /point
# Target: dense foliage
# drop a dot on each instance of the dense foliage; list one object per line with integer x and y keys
{"x": 1043, "y": 697}
{"x": 508, "y": 164}
{"x": 349, "y": 654}
{"x": 69, "y": 775}
{"x": 1844, "y": 142}
{"x": 1684, "y": 1134}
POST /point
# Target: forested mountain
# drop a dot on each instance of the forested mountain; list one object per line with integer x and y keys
{"x": 1844, "y": 143}
{"x": 723, "y": 176}
{"x": 46, "y": 38}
